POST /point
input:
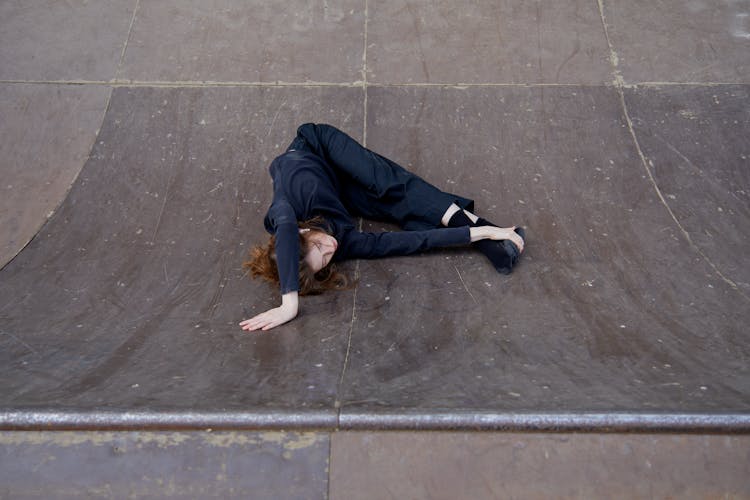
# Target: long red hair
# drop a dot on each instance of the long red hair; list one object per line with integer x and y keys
{"x": 261, "y": 263}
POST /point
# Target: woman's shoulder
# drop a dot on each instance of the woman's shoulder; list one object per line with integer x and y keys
{"x": 296, "y": 163}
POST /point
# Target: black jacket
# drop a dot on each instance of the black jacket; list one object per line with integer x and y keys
{"x": 305, "y": 186}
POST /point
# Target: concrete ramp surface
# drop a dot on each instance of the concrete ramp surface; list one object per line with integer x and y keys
{"x": 629, "y": 309}
{"x": 135, "y": 140}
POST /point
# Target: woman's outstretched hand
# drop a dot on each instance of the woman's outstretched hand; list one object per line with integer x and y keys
{"x": 287, "y": 311}
{"x": 497, "y": 233}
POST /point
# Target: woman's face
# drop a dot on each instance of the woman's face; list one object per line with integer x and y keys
{"x": 320, "y": 249}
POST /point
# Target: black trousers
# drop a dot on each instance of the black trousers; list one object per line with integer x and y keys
{"x": 374, "y": 187}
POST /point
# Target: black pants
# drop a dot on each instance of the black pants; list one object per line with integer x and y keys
{"x": 373, "y": 186}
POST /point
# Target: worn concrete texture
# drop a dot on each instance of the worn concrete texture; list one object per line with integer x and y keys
{"x": 263, "y": 465}
{"x": 680, "y": 42}
{"x": 352, "y": 465}
{"x": 240, "y": 41}
{"x": 135, "y": 139}
{"x": 46, "y": 40}
{"x": 632, "y": 295}
{"x": 612, "y": 309}
{"x": 144, "y": 256}
{"x": 434, "y": 465}
{"x": 486, "y": 42}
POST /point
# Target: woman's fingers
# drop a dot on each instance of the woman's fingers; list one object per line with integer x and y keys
{"x": 516, "y": 238}
{"x": 251, "y": 320}
{"x": 512, "y": 235}
{"x": 267, "y": 320}
{"x": 255, "y": 322}
{"x": 508, "y": 233}
{"x": 256, "y": 326}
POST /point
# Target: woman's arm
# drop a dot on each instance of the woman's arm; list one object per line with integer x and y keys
{"x": 287, "y": 311}
{"x": 374, "y": 245}
{"x": 381, "y": 245}
{"x": 281, "y": 221}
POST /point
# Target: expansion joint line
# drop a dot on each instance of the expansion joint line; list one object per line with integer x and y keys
{"x": 182, "y": 84}
{"x": 364, "y": 76}
{"x": 357, "y": 264}
{"x": 620, "y": 85}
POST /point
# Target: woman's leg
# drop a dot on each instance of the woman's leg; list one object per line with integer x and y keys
{"x": 376, "y": 187}
{"x": 445, "y": 220}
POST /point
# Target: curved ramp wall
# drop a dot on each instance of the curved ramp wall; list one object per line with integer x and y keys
{"x": 47, "y": 133}
{"x": 127, "y": 302}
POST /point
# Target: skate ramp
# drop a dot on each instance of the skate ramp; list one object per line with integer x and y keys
{"x": 628, "y": 310}
{"x": 138, "y": 134}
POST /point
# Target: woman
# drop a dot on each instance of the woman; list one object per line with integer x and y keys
{"x": 323, "y": 180}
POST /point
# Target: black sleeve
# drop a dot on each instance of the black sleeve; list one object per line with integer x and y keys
{"x": 374, "y": 245}
{"x": 282, "y": 222}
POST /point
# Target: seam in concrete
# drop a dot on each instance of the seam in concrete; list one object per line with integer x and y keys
{"x": 359, "y": 224}
{"x": 682, "y": 84}
{"x": 466, "y": 85}
{"x": 364, "y": 75}
{"x": 184, "y": 83}
{"x": 620, "y": 86}
{"x": 356, "y": 84}
{"x": 328, "y": 466}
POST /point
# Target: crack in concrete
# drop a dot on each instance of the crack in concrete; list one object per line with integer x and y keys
{"x": 127, "y": 38}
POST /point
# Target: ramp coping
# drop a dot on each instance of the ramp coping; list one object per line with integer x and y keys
{"x": 391, "y": 420}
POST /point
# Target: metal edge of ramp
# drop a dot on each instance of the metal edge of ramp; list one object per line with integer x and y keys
{"x": 18, "y": 419}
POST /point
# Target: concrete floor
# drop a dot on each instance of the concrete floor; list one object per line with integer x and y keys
{"x": 136, "y": 138}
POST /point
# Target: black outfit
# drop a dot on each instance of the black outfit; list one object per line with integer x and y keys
{"x": 327, "y": 173}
